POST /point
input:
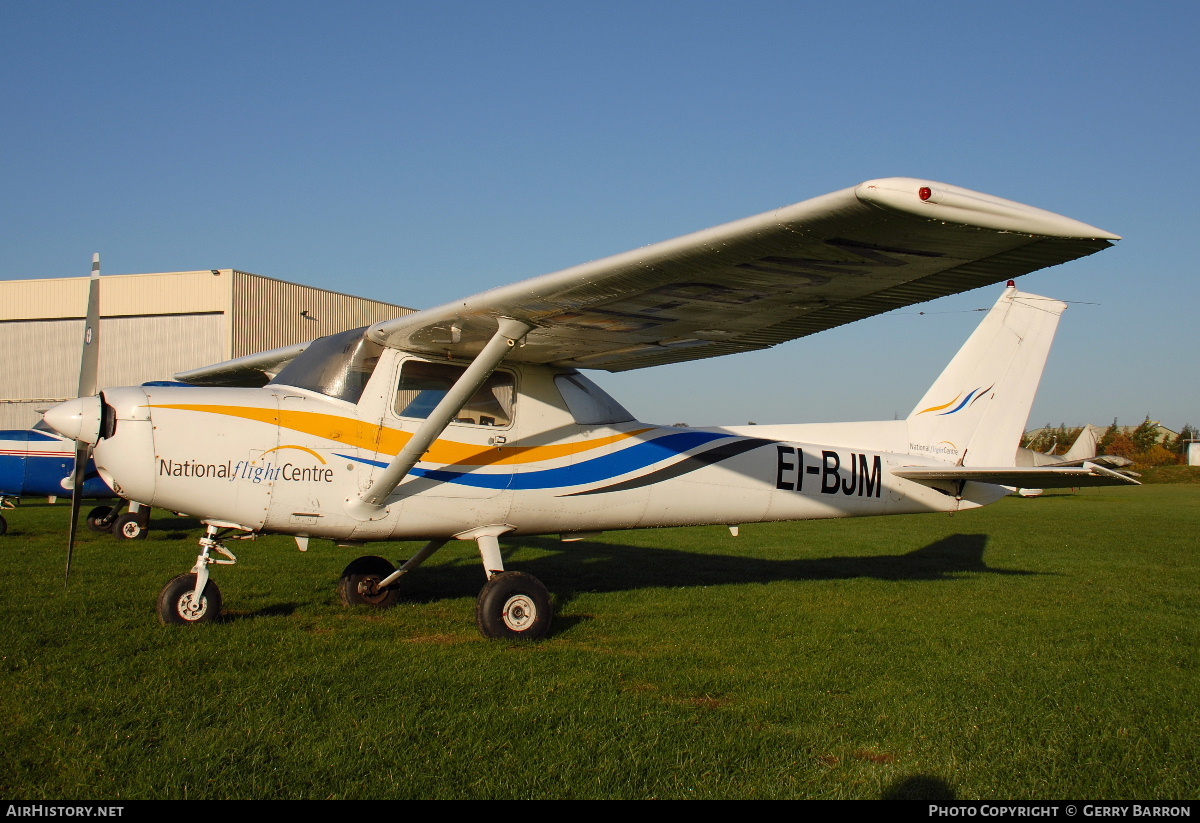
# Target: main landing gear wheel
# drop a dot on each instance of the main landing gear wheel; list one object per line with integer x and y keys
{"x": 129, "y": 527}
{"x": 99, "y": 519}
{"x": 3, "y": 525}
{"x": 177, "y": 602}
{"x": 514, "y": 605}
{"x": 359, "y": 583}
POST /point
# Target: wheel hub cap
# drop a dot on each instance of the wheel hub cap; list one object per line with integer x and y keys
{"x": 519, "y": 612}
{"x": 188, "y": 608}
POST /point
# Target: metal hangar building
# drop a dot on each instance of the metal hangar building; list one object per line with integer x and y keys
{"x": 153, "y": 326}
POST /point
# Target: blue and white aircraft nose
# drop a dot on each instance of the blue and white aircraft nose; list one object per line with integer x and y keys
{"x": 78, "y": 419}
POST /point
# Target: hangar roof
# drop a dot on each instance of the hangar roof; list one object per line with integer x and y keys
{"x": 181, "y": 292}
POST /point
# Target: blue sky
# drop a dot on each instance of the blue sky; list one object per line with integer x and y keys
{"x": 419, "y": 152}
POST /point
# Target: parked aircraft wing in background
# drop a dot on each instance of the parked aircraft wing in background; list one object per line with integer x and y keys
{"x": 253, "y": 370}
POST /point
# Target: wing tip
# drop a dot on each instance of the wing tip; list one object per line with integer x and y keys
{"x": 932, "y": 200}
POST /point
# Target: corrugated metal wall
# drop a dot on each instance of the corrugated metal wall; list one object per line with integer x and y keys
{"x": 185, "y": 292}
{"x": 40, "y": 365}
{"x": 154, "y": 325}
{"x": 268, "y": 313}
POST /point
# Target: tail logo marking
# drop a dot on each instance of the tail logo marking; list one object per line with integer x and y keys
{"x": 970, "y": 400}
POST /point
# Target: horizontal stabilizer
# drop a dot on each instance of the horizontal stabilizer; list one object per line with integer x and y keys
{"x": 1023, "y": 477}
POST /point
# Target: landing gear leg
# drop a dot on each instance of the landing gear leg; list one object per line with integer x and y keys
{"x": 359, "y": 585}
{"x": 371, "y": 580}
{"x": 193, "y": 598}
{"x": 512, "y": 604}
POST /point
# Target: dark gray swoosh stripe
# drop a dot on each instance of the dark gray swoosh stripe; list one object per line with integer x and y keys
{"x": 690, "y": 464}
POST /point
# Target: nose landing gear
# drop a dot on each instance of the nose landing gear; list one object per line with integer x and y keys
{"x": 178, "y": 604}
{"x": 135, "y": 525}
{"x": 192, "y": 598}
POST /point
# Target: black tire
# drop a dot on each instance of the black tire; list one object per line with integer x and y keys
{"x": 514, "y": 605}
{"x": 98, "y": 519}
{"x": 175, "y": 602}
{"x": 3, "y": 525}
{"x": 357, "y": 586}
{"x": 129, "y": 527}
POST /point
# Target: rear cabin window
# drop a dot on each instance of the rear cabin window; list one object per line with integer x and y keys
{"x": 423, "y": 385}
{"x": 337, "y": 366}
{"x": 589, "y": 404}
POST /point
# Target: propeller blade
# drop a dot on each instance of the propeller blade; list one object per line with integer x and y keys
{"x": 89, "y": 367}
{"x": 83, "y": 453}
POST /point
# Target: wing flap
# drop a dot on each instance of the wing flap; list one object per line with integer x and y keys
{"x": 1024, "y": 477}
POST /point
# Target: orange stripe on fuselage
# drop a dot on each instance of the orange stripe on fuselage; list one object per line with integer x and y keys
{"x": 380, "y": 439}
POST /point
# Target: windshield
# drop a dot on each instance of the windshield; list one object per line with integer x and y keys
{"x": 337, "y": 366}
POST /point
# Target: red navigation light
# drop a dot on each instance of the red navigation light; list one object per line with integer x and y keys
{"x": 925, "y": 193}
{"x": 1012, "y": 284}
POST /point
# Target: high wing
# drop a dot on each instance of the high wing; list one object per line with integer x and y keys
{"x": 763, "y": 280}
{"x": 759, "y": 281}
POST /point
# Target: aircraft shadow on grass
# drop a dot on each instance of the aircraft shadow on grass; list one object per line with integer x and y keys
{"x": 600, "y": 566}
{"x": 920, "y": 787}
{"x": 606, "y": 567}
{"x": 588, "y": 566}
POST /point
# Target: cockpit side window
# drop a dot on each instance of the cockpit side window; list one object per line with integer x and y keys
{"x": 589, "y": 404}
{"x": 423, "y": 385}
{"x": 337, "y": 366}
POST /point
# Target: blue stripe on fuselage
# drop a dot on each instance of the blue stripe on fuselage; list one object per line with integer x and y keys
{"x": 600, "y": 468}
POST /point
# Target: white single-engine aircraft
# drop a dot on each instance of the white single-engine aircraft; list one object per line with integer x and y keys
{"x": 1083, "y": 450}
{"x": 473, "y": 420}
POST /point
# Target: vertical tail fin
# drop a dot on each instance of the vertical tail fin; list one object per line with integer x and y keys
{"x": 1086, "y": 445}
{"x": 975, "y": 413}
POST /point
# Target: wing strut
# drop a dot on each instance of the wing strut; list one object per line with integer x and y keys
{"x": 369, "y": 504}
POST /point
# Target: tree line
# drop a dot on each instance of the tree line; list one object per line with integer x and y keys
{"x": 1141, "y": 445}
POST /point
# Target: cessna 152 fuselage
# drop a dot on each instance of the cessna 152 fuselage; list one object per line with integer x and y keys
{"x": 473, "y": 420}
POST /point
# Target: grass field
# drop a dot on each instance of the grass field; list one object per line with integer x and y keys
{"x": 1042, "y": 649}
